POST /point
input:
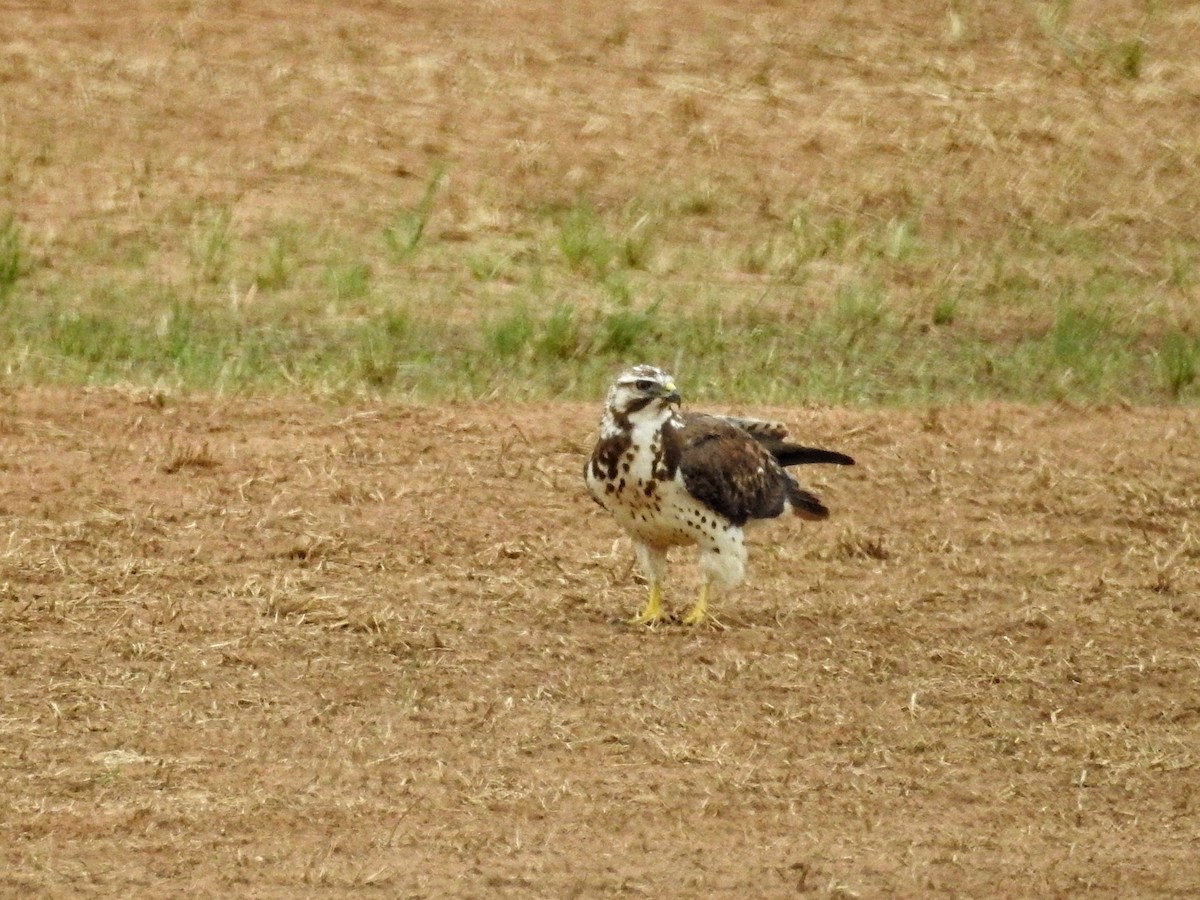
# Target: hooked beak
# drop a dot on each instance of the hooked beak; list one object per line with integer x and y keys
{"x": 671, "y": 393}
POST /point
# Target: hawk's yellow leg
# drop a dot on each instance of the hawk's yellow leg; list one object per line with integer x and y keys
{"x": 699, "y": 612}
{"x": 653, "y": 612}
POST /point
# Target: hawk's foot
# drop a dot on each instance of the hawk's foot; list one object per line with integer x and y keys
{"x": 653, "y": 613}
{"x": 649, "y": 617}
{"x": 699, "y": 612}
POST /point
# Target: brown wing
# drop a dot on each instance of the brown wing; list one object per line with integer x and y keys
{"x": 773, "y": 436}
{"x": 729, "y": 471}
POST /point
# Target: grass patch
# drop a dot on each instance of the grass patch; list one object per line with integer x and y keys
{"x": 1179, "y": 361}
{"x": 830, "y": 306}
{"x": 210, "y": 246}
{"x": 855, "y": 349}
{"x": 405, "y": 235}
{"x": 12, "y": 256}
{"x": 584, "y": 242}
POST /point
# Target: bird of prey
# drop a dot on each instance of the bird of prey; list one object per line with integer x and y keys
{"x": 673, "y": 478}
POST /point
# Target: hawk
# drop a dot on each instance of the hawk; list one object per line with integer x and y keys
{"x": 672, "y": 478}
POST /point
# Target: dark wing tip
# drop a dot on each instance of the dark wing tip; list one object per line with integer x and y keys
{"x": 806, "y": 505}
{"x": 793, "y": 455}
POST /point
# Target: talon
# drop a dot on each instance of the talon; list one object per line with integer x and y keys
{"x": 699, "y": 612}
{"x": 653, "y": 613}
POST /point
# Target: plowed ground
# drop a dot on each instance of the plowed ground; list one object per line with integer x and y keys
{"x": 270, "y": 648}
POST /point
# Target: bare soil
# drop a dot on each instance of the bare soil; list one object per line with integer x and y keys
{"x": 269, "y": 648}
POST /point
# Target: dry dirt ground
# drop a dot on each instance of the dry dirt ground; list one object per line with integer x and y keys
{"x": 989, "y": 123}
{"x": 271, "y": 648}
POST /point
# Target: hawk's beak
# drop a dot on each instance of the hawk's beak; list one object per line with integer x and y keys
{"x": 671, "y": 393}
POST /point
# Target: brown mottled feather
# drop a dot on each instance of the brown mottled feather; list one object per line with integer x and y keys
{"x": 773, "y": 436}
{"x": 745, "y": 479}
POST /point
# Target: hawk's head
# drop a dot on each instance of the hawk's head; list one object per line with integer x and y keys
{"x": 643, "y": 393}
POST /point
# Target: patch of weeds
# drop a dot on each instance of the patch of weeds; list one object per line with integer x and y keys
{"x": 176, "y": 331}
{"x": 699, "y": 201}
{"x": 1178, "y": 361}
{"x": 1129, "y": 57}
{"x": 816, "y": 240}
{"x": 762, "y": 257}
{"x": 509, "y": 334}
{"x": 90, "y": 338}
{"x": 1077, "y": 333}
{"x": 397, "y": 325}
{"x": 12, "y": 258}
{"x": 387, "y": 348}
{"x": 583, "y": 241}
{"x": 404, "y": 237}
{"x": 709, "y": 333}
{"x": 558, "y": 336}
{"x": 945, "y": 308}
{"x": 858, "y": 311}
{"x": 278, "y": 264}
{"x": 487, "y": 267}
{"x": 898, "y": 241}
{"x": 619, "y": 288}
{"x": 637, "y": 245}
{"x": 211, "y": 245}
{"x": 625, "y": 328}
{"x": 1051, "y": 18}
{"x": 349, "y": 280}
{"x": 549, "y": 339}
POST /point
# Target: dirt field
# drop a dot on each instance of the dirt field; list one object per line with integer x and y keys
{"x": 992, "y": 125}
{"x": 267, "y": 649}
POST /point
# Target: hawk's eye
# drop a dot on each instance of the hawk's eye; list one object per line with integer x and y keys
{"x": 644, "y": 384}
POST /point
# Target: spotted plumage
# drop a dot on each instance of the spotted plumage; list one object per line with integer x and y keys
{"x": 672, "y": 478}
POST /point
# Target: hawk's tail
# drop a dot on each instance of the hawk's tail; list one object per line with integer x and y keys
{"x": 795, "y": 455}
{"x": 805, "y": 504}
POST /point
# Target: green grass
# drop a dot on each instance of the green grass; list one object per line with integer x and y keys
{"x": 12, "y": 261}
{"x": 854, "y": 350}
{"x": 825, "y": 307}
{"x": 406, "y": 233}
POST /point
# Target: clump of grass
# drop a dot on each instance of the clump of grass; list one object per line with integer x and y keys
{"x": 637, "y": 245}
{"x": 404, "y": 237}
{"x": 12, "y": 258}
{"x": 509, "y": 334}
{"x": 348, "y": 280}
{"x": 379, "y": 357}
{"x": 701, "y": 200}
{"x": 584, "y": 243}
{"x": 278, "y": 264}
{"x": 763, "y": 257}
{"x": 1078, "y": 333}
{"x": 558, "y": 337}
{"x": 624, "y": 328}
{"x": 485, "y": 266}
{"x": 813, "y": 239}
{"x": 1179, "y": 361}
{"x": 211, "y": 245}
{"x": 859, "y": 310}
{"x": 945, "y": 308}
{"x": 1130, "y": 57}
{"x": 899, "y": 241}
